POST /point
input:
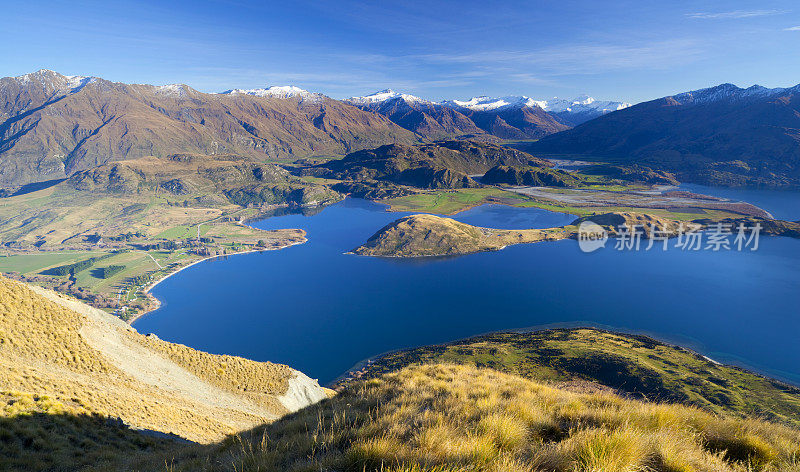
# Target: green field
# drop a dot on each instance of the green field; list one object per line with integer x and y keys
{"x": 34, "y": 263}
{"x": 447, "y": 202}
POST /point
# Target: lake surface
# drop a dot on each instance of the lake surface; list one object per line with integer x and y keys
{"x": 783, "y": 204}
{"x": 318, "y": 310}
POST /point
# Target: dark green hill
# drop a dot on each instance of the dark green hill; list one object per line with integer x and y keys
{"x": 444, "y": 164}
{"x": 529, "y": 175}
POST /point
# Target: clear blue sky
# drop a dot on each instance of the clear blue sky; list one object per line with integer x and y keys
{"x": 630, "y": 50}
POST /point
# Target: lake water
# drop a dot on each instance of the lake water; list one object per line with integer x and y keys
{"x": 321, "y": 311}
{"x": 783, "y": 204}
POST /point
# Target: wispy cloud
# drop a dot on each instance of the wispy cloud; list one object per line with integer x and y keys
{"x": 735, "y": 14}
{"x": 793, "y": 28}
{"x": 581, "y": 58}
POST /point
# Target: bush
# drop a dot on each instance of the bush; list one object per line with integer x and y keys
{"x": 71, "y": 268}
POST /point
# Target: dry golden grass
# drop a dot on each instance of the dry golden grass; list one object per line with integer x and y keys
{"x": 454, "y": 418}
{"x": 259, "y": 381}
{"x": 43, "y": 352}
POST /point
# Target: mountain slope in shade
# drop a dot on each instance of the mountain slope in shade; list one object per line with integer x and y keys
{"x": 52, "y": 125}
{"x": 428, "y": 119}
{"x": 723, "y": 135}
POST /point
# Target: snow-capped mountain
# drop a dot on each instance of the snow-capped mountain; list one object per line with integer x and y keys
{"x": 730, "y": 92}
{"x": 571, "y": 112}
{"x": 581, "y": 104}
{"x": 56, "y": 125}
{"x": 383, "y": 96}
{"x": 428, "y": 119}
{"x": 54, "y": 81}
{"x": 493, "y": 103}
{"x": 174, "y": 90}
{"x": 513, "y": 117}
{"x": 277, "y": 91}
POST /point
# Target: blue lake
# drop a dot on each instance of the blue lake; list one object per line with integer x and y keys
{"x": 783, "y": 204}
{"x": 321, "y": 311}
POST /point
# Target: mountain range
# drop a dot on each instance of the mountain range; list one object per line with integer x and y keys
{"x": 723, "y": 135}
{"x": 52, "y": 125}
{"x": 511, "y": 117}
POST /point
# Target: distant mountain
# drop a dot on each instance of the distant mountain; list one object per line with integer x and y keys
{"x": 52, "y": 125}
{"x": 519, "y": 120}
{"x": 512, "y": 117}
{"x": 570, "y": 112}
{"x": 723, "y": 135}
{"x": 284, "y": 91}
{"x": 428, "y": 119}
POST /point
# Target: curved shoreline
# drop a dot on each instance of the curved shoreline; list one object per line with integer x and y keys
{"x": 157, "y": 303}
{"x": 688, "y": 346}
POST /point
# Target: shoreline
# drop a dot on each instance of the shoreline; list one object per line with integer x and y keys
{"x": 350, "y": 374}
{"x": 157, "y": 303}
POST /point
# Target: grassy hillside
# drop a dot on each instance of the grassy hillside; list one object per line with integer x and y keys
{"x": 457, "y": 418}
{"x": 76, "y": 382}
{"x": 58, "y": 348}
{"x": 637, "y": 366}
{"x": 38, "y": 433}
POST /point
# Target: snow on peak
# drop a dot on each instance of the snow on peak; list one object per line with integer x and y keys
{"x": 55, "y": 81}
{"x": 283, "y": 91}
{"x": 726, "y": 92}
{"x": 384, "y": 95}
{"x": 173, "y": 90}
{"x": 578, "y": 105}
{"x": 583, "y": 104}
{"x": 484, "y": 103}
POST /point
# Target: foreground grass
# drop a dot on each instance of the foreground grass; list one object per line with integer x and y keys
{"x": 640, "y": 367}
{"x": 453, "y": 418}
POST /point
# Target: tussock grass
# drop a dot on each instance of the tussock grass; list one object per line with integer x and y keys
{"x": 454, "y": 418}
{"x": 43, "y": 353}
{"x": 586, "y": 360}
{"x": 256, "y": 380}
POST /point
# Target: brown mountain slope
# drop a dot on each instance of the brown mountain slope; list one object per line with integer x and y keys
{"x": 721, "y": 135}
{"x": 52, "y": 125}
{"x": 516, "y": 122}
{"x": 86, "y": 358}
{"x": 427, "y": 119}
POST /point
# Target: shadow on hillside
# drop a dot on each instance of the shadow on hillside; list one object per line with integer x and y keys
{"x": 67, "y": 442}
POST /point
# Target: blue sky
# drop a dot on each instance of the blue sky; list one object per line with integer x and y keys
{"x": 630, "y": 50}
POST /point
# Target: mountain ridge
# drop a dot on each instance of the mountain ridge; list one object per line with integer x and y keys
{"x": 721, "y": 135}
{"x": 52, "y": 125}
